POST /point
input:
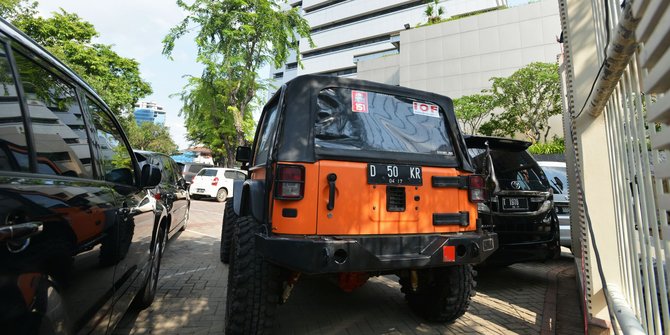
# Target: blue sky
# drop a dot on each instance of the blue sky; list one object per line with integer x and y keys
{"x": 136, "y": 29}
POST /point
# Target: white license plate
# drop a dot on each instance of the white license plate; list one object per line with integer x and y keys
{"x": 200, "y": 190}
{"x": 515, "y": 204}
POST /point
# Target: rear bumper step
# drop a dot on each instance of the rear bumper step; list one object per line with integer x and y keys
{"x": 375, "y": 253}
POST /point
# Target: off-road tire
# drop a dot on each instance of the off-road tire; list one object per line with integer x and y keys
{"x": 443, "y": 294}
{"x": 227, "y": 227}
{"x": 221, "y": 195}
{"x": 254, "y": 285}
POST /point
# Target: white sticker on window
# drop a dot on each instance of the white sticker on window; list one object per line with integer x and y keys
{"x": 421, "y": 108}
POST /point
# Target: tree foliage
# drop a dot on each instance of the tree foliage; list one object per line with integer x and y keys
{"x": 556, "y": 146}
{"x": 235, "y": 38}
{"x": 528, "y": 98}
{"x": 150, "y": 137}
{"x": 434, "y": 12}
{"x": 70, "y": 38}
{"x": 472, "y": 110}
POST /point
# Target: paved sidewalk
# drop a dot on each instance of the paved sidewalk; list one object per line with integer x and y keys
{"x": 531, "y": 298}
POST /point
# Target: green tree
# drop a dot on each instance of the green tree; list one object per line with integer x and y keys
{"x": 434, "y": 12}
{"x": 235, "y": 39}
{"x": 69, "y": 38}
{"x": 150, "y": 136}
{"x": 528, "y": 98}
{"x": 471, "y": 110}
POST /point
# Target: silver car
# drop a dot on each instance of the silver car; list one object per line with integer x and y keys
{"x": 558, "y": 179}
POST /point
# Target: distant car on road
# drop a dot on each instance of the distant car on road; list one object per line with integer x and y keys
{"x": 189, "y": 170}
{"x": 215, "y": 183}
{"x": 558, "y": 180}
{"x": 172, "y": 190}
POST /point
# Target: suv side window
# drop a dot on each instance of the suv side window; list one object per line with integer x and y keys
{"x": 61, "y": 141}
{"x": 115, "y": 156}
{"x": 268, "y": 129}
{"x": 13, "y": 148}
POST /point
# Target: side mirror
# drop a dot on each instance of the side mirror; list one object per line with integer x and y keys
{"x": 243, "y": 154}
{"x": 151, "y": 176}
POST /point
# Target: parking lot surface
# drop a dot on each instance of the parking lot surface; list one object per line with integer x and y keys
{"x": 530, "y": 298}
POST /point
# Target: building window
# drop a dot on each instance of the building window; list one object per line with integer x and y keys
{"x": 324, "y": 5}
{"x": 347, "y": 46}
{"x": 291, "y": 66}
{"x": 342, "y": 72}
{"x": 390, "y": 10}
{"x": 279, "y": 75}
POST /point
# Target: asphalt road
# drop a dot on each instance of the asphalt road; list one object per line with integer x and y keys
{"x": 191, "y": 297}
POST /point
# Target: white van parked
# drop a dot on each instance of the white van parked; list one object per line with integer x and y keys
{"x": 215, "y": 182}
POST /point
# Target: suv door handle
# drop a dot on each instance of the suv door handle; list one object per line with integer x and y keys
{"x": 20, "y": 231}
{"x": 331, "y": 192}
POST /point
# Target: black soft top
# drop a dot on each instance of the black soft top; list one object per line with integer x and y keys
{"x": 295, "y": 142}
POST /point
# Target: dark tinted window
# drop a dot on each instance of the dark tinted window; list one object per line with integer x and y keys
{"x": 13, "y": 149}
{"x": 368, "y": 121}
{"x": 557, "y": 179}
{"x": 515, "y": 170}
{"x": 268, "y": 129}
{"x": 207, "y": 172}
{"x": 194, "y": 168}
{"x": 61, "y": 141}
{"x": 167, "y": 169}
{"x": 114, "y": 155}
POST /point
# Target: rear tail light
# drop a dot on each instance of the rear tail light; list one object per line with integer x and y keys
{"x": 157, "y": 196}
{"x": 215, "y": 181}
{"x": 290, "y": 182}
{"x": 477, "y": 188}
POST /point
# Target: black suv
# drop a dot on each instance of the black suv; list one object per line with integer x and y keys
{"x": 520, "y": 208}
{"x": 80, "y": 237}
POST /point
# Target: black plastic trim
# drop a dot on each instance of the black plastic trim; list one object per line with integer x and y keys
{"x": 289, "y": 213}
{"x": 460, "y": 182}
{"x": 449, "y": 219}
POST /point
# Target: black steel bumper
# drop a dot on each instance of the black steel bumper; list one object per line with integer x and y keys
{"x": 331, "y": 254}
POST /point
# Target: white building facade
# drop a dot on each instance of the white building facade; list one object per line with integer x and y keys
{"x": 346, "y": 31}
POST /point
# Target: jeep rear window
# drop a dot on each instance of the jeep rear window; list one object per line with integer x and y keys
{"x": 368, "y": 121}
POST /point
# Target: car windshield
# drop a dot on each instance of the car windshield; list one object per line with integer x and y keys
{"x": 369, "y": 121}
{"x": 557, "y": 179}
{"x": 515, "y": 170}
{"x": 207, "y": 173}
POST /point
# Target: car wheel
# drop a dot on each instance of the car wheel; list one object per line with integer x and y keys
{"x": 147, "y": 293}
{"x": 254, "y": 284}
{"x": 441, "y": 294}
{"x": 221, "y": 195}
{"x": 227, "y": 228}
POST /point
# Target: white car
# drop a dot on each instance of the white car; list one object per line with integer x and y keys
{"x": 558, "y": 180}
{"x": 215, "y": 182}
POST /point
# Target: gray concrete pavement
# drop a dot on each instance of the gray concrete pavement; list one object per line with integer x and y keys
{"x": 531, "y": 298}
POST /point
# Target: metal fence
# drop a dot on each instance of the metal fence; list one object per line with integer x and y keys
{"x": 620, "y": 50}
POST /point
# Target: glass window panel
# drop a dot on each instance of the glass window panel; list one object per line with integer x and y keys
{"x": 59, "y": 132}
{"x": 13, "y": 145}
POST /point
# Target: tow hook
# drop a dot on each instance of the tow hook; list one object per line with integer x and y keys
{"x": 414, "y": 279}
{"x": 290, "y": 283}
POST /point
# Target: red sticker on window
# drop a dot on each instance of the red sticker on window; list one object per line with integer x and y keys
{"x": 421, "y": 108}
{"x": 359, "y": 101}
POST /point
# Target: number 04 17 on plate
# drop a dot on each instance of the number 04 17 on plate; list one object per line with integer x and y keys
{"x": 394, "y": 174}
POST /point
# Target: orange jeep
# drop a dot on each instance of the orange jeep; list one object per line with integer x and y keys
{"x": 355, "y": 179}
